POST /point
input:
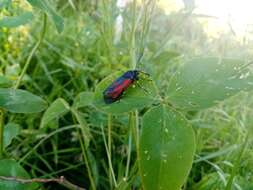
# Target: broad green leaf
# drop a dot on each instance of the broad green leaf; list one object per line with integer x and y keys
{"x": 20, "y": 101}
{"x": 11, "y": 168}
{"x": 167, "y": 146}
{"x": 203, "y": 82}
{"x": 46, "y": 7}
{"x": 57, "y": 109}
{"x": 83, "y": 99}
{"x": 135, "y": 97}
{"x": 5, "y": 82}
{"x": 11, "y": 130}
{"x": 16, "y": 21}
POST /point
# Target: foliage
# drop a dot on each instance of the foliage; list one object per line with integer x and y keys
{"x": 184, "y": 126}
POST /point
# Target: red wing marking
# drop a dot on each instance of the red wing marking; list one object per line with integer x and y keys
{"x": 117, "y": 91}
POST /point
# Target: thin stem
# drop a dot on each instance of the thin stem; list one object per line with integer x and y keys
{"x": 166, "y": 39}
{"x": 136, "y": 134}
{"x": 29, "y": 58}
{"x": 132, "y": 36}
{"x": 129, "y": 147}
{"x": 137, "y": 131}
{"x": 44, "y": 139}
{"x": 85, "y": 156}
{"x": 109, "y": 133}
{"x": 1, "y": 133}
{"x": 62, "y": 181}
{"x": 109, "y": 159}
{"x": 237, "y": 164}
{"x": 109, "y": 136}
{"x": 148, "y": 13}
{"x": 84, "y": 148}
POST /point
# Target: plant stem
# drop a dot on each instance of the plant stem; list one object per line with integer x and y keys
{"x": 136, "y": 130}
{"x": 29, "y": 58}
{"x": 62, "y": 181}
{"x": 85, "y": 156}
{"x": 132, "y": 36}
{"x": 1, "y": 133}
{"x": 109, "y": 128}
{"x": 43, "y": 140}
{"x": 84, "y": 148}
{"x": 109, "y": 158}
{"x": 237, "y": 164}
{"x": 129, "y": 146}
{"x": 136, "y": 134}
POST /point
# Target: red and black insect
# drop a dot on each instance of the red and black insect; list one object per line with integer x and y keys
{"x": 115, "y": 91}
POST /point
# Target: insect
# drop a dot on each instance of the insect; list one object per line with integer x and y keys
{"x": 115, "y": 91}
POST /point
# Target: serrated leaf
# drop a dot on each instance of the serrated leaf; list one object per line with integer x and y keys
{"x": 16, "y": 21}
{"x": 20, "y": 101}
{"x": 134, "y": 97}
{"x": 11, "y": 130}
{"x": 47, "y": 8}
{"x": 11, "y": 168}
{"x": 83, "y": 99}
{"x": 203, "y": 82}
{"x": 56, "y": 110}
{"x": 167, "y": 147}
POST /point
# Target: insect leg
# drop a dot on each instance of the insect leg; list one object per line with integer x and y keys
{"x": 145, "y": 90}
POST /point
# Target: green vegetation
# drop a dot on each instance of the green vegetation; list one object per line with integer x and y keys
{"x": 189, "y": 127}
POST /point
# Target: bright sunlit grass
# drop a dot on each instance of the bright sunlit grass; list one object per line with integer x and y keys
{"x": 231, "y": 15}
{"x": 236, "y": 13}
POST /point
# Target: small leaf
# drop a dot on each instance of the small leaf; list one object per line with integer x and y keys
{"x": 11, "y": 168}
{"x": 167, "y": 147}
{"x": 16, "y": 21}
{"x": 134, "y": 97}
{"x": 57, "y": 109}
{"x": 11, "y": 130}
{"x": 46, "y": 8}
{"x": 203, "y": 82}
{"x": 83, "y": 99}
{"x": 5, "y": 82}
{"x": 20, "y": 101}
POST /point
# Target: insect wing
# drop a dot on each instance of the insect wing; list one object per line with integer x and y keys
{"x": 117, "y": 87}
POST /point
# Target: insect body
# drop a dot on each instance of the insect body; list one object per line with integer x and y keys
{"x": 115, "y": 91}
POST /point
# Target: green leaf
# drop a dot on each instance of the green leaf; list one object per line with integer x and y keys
{"x": 57, "y": 109}
{"x": 46, "y": 8}
{"x": 5, "y": 82}
{"x": 16, "y": 21}
{"x": 209, "y": 182}
{"x": 165, "y": 57}
{"x": 11, "y": 168}
{"x": 20, "y": 101}
{"x": 11, "y": 130}
{"x": 83, "y": 99}
{"x": 4, "y": 3}
{"x": 167, "y": 147}
{"x": 203, "y": 82}
{"x": 134, "y": 97}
